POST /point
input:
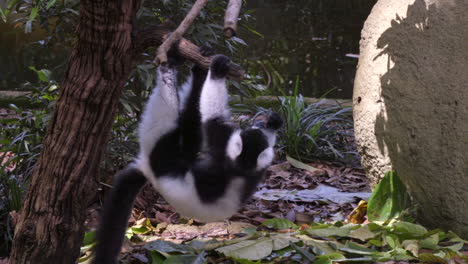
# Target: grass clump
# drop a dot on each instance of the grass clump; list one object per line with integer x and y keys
{"x": 317, "y": 131}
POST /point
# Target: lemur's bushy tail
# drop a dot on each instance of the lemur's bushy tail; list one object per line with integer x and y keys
{"x": 114, "y": 218}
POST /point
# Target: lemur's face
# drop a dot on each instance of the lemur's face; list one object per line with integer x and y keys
{"x": 258, "y": 142}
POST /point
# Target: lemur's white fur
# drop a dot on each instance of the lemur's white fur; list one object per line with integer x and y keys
{"x": 161, "y": 111}
{"x": 234, "y": 145}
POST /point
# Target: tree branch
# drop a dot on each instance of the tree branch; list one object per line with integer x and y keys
{"x": 161, "y": 55}
{"x": 231, "y": 17}
{"x": 155, "y": 35}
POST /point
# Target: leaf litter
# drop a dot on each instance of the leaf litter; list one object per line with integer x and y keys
{"x": 299, "y": 214}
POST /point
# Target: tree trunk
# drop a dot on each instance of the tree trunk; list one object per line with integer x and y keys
{"x": 50, "y": 226}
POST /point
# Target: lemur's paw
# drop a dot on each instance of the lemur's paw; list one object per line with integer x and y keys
{"x": 206, "y": 50}
{"x": 173, "y": 56}
{"x": 220, "y": 67}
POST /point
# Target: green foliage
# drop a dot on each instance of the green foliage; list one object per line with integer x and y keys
{"x": 316, "y": 131}
{"x": 279, "y": 223}
{"x": 388, "y": 199}
{"x": 320, "y": 243}
{"x": 21, "y": 143}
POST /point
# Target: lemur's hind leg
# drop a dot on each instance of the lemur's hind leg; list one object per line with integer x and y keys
{"x": 190, "y": 118}
{"x": 222, "y": 139}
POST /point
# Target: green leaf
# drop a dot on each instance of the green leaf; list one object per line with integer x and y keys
{"x": 388, "y": 199}
{"x": 186, "y": 259}
{"x": 34, "y": 12}
{"x": 3, "y": 14}
{"x": 246, "y": 261}
{"x": 355, "y": 248}
{"x": 50, "y": 3}
{"x": 430, "y": 242}
{"x": 332, "y": 231}
{"x": 156, "y": 257}
{"x": 363, "y": 233}
{"x": 89, "y": 238}
{"x": 168, "y": 247}
{"x": 279, "y": 223}
{"x": 323, "y": 260}
{"x": 249, "y": 249}
{"x": 309, "y": 256}
{"x": 406, "y": 228}
{"x": 281, "y": 241}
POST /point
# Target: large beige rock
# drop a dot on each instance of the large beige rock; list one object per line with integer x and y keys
{"x": 411, "y": 103}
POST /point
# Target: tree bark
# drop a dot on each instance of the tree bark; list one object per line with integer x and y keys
{"x": 50, "y": 227}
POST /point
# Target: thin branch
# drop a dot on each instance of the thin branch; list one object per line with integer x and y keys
{"x": 231, "y": 17}
{"x": 161, "y": 55}
{"x": 153, "y": 36}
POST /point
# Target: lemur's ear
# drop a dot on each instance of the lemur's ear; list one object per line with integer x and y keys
{"x": 234, "y": 145}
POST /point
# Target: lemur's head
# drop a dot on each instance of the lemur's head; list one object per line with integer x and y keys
{"x": 252, "y": 148}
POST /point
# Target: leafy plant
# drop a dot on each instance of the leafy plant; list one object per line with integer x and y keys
{"x": 389, "y": 198}
{"x": 316, "y": 130}
{"x": 316, "y": 243}
{"x": 21, "y": 144}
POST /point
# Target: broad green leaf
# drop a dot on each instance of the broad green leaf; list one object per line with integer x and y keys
{"x": 455, "y": 247}
{"x": 281, "y": 241}
{"x": 33, "y": 14}
{"x": 430, "y": 242}
{"x": 156, "y": 257}
{"x": 186, "y": 259}
{"x": 355, "y": 248}
{"x": 309, "y": 256}
{"x": 249, "y": 249}
{"x": 279, "y": 223}
{"x": 407, "y": 228}
{"x": 246, "y": 261}
{"x": 89, "y": 238}
{"x": 168, "y": 247}
{"x": 323, "y": 260}
{"x": 392, "y": 241}
{"x": 50, "y": 3}
{"x": 331, "y": 231}
{"x": 318, "y": 246}
{"x": 3, "y": 15}
{"x": 363, "y": 233}
{"x": 388, "y": 199}
{"x": 363, "y": 259}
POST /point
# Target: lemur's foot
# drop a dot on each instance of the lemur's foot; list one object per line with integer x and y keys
{"x": 220, "y": 66}
{"x": 173, "y": 56}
